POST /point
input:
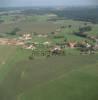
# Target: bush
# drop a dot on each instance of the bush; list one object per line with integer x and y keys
{"x": 69, "y": 26}
{"x": 13, "y": 32}
{"x": 31, "y": 57}
{"x": 84, "y": 29}
{"x": 81, "y": 34}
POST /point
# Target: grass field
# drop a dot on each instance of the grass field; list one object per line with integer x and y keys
{"x": 71, "y": 77}
{"x": 41, "y": 25}
{"x": 8, "y": 56}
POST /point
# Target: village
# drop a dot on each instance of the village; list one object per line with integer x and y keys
{"x": 22, "y": 41}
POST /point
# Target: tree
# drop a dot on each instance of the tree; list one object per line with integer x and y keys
{"x": 81, "y": 34}
{"x": 69, "y": 26}
{"x": 86, "y": 28}
{"x": 13, "y": 32}
{"x": 65, "y": 39}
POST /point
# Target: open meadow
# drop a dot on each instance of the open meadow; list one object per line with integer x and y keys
{"x": 42, "y": 78}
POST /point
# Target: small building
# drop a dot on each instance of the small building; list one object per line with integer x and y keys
{"x": 27, "y": 36}
{"x": 72, "y": 44}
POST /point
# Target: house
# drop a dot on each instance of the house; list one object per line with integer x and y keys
{"x": 30, "y": 47}
{"x": 72, "y": 44}
{"x": 27, "y": 36}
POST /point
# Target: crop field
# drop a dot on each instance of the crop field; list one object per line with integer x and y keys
{"x": 70, "y": 77}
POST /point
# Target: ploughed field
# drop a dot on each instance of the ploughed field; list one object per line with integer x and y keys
{"x": 70, "y": 77}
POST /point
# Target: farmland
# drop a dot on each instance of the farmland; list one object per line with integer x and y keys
{"x": 69, "y": 76}
{"x": 24, "y": 79}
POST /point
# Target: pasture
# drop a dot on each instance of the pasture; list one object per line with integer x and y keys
{"x": 40, "y": 24}
{"x": 8, "y": 56}
{"x": 70, "y": 77}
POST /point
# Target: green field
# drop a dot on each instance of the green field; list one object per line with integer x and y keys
{"x": 45, "y": 27}
{"x": 40, "y": 24}
{"x": 30, "y": 27}
{"x": 70, "y": 77}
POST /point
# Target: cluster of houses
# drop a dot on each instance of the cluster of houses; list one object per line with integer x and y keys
{"x": 21, "y": 41}
{"x": 15, "y": 41}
